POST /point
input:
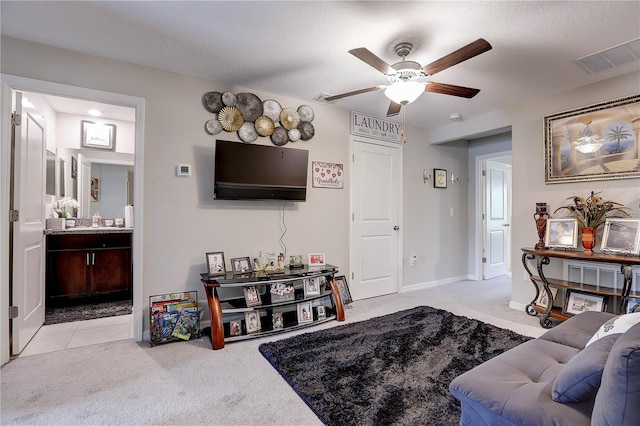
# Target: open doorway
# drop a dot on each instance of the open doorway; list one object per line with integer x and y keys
{"x": 63, "y": 167}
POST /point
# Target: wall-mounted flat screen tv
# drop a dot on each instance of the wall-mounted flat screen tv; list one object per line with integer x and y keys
{"x": 259, "y": 172}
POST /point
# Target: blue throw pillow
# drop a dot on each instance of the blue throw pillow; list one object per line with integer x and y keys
{"x": 579, "y": 379}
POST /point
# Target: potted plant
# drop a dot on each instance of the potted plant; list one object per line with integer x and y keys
{"x": 591, "y": 213}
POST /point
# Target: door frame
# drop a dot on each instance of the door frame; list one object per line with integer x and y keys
{"x": 353, "y": 139}
{"x": 11, "y": 82}
{"x": 478, "y": 247}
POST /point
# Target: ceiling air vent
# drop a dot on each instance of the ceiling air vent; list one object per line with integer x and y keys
{"x": 610, "y": 58}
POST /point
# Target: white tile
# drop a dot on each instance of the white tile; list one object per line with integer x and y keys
{"x": 44, "y": 344}
{"x": 104, "y": 322}
{"x": 66, "y": 328}
{"x": 92, "y": 336}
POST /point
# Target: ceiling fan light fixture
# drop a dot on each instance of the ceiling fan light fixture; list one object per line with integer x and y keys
{"x": 404, "y": 92}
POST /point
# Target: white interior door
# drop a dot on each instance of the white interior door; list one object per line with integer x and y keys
{"x": 375, "y": 235}
{"x": 84, "y": 186}
{"x": 497, "y": 226}
{"x": 28, "y": 289}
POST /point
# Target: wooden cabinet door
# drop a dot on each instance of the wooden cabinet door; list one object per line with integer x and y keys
{"x": 111, "y": 271}
{"x": 67, "y": 274}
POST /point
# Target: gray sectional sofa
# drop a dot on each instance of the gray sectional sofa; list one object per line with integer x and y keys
{"x": 555, "y": 380}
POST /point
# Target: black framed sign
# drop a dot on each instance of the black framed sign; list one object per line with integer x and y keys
{"x": 439, "y": 178}
{"x": 102, "y": 136}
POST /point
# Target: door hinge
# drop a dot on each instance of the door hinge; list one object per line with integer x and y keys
{"x": 14, "y": 215}
{"x": 353, "y": 276}
{"x": 484, "y": 173}
{"x": 16, "y": 120}
{"x": 353, "y": 158}
{"x": 484, "y": 216}
{"x": 484, "y": 260}
{"x": 13, "y": 312}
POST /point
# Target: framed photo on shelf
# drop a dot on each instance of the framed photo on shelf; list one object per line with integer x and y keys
{"x": 278, "y": 321}
{"x": 235, "y": 328}
{"x": 215, "y": 263}
{"x": 102, "y": 136}
{"x": 621, "y": 236}
{"x": 343, "y": 288}
{"x": 282, "y": 292}
{"x": 305, "y": 314}
{"x": 311, "y": 286}
{"x": 295, "y": 261}
{"x": 543, "y": 298}
{"x": 561, "y": 233}
{"x": 633, "y": 305}
{"x": 439, "y": 178}
{"x": 252, "y": 295}
{"x": 241, "y": 265}
{"x": 252, "y": 321}
{"x": 322, "y": 313}
{"x": 577, "y": 302}
{"x": 316, "y": 259}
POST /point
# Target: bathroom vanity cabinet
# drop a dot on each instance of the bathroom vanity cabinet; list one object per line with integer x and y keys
{"x": 84, "y": 267}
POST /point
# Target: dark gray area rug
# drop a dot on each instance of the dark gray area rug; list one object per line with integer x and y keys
{"x": 395, "y": 369}
{"x": 57, "y": 315}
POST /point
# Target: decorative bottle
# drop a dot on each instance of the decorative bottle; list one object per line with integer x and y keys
{"x": 95, "y": 220}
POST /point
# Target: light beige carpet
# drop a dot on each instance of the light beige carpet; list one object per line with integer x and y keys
{"x": 126, "y": 383}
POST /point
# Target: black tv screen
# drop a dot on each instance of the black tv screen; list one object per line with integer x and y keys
{"x": 259, "y": 172}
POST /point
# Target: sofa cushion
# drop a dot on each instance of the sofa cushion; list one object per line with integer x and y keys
{"x": 618, "y": 324}
{"x": 577, "y": 330}
{"x": 515, "y": 388}
{"x": 618, "y": 399}
{"x": 579, "y": 379}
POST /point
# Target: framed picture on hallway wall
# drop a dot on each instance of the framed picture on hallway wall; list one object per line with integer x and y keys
{"x": 595, "y": 142}
{"x": 95, "y": 135}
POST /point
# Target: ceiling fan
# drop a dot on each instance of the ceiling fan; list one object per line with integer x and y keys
{"x": 406, "y": 77}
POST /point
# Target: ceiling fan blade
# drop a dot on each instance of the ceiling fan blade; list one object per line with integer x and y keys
{"x": 394, "y": 109}
{"x": 450, "y": 89}
{"x": 365, "y": 55}
{"x": 467, "y": 52}
{"x": 355, "y": 92}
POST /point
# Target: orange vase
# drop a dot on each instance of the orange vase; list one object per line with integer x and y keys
{"x": 588, "y": 239}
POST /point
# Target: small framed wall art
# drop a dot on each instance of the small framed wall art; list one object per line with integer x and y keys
{"x": 101, "y": 136}
{"x": 439, "y": 178}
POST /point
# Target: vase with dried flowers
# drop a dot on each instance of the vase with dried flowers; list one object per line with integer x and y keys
{"x": 591, "y": 212}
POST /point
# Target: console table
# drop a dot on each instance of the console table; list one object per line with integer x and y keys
{"x": 543, "y": 257}
{"x": 279, "y": 301}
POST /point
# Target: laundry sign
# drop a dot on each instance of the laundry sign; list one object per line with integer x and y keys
{"x": 377, "y": 128}
{"x": 327, "y": 175}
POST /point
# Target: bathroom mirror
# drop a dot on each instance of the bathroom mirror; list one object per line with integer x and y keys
{"x": 51, "y": 173}
{"x": 62, "y": 182}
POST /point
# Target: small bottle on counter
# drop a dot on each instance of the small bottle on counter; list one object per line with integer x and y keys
{"x": 95, "y": 220}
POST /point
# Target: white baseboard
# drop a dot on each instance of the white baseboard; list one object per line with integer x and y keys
{"x": 517, "y": 305}
{"x": 430, "y": 284}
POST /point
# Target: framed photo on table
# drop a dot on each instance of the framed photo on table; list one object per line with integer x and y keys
{"x": 252, "y": 295}
{"x": 252, "y": 321}
{"x": 311, "y": 286}
{"x": 305, "y": 313}
{"x": 241, "y": 265}
{"x": 215, "y": 263}
{"x": 101, "y": 136}
{"x": 577, "y": 302}
{"x": 561, "y": 233}
{"x": 316, "y": 260}
{"x": 343, "y": 289}
{"x": 621, "y": 236}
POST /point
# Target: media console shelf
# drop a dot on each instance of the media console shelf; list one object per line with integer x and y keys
{"x": 258, "y": 304}
{"x": 542, "y": 283}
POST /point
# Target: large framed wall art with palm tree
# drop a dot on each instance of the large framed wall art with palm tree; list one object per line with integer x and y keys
{"x": 596, "y": 142}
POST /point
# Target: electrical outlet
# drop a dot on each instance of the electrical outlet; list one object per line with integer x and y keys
{"x": 412, "y": 261}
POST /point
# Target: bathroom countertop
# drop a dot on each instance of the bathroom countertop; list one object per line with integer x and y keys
{"x": 89, "y": 230}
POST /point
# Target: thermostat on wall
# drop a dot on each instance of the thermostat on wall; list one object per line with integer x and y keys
{"x": 183, "y": 170}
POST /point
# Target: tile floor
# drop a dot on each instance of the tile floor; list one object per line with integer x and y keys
{"x": 56, "y": 337}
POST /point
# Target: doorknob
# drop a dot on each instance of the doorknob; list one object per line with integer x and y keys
{"x": 505, "y": 224}
{"x": 395, "y": 228}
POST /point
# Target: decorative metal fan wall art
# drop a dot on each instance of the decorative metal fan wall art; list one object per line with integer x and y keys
{"x": 246, "y": 114}
{"x": 406, "y": 78}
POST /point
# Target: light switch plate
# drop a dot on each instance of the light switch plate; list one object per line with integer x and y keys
{"x": 183, "y": 170}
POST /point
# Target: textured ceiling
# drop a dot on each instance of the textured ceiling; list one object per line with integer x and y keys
{"x": 300, "y": 49}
